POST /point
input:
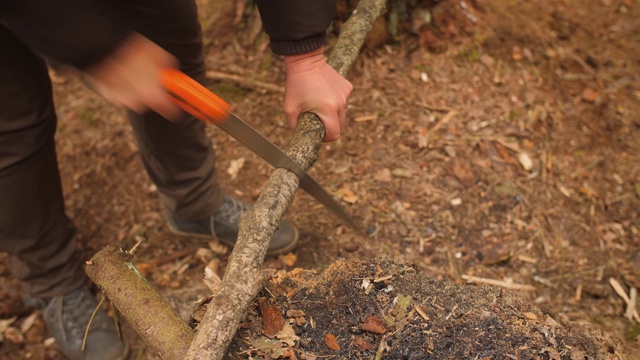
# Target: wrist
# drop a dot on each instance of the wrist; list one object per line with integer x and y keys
{"x": 304, "y": 62}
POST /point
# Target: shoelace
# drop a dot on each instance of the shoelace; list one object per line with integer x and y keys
{"x": 231, "y": 209}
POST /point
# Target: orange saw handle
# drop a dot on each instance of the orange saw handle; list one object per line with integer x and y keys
{"x": 194, "y": 98}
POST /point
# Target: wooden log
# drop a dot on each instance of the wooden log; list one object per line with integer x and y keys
{"x": 149, "y": 314}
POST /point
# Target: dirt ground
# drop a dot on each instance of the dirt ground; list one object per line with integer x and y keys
{"x": 488, "y": 139}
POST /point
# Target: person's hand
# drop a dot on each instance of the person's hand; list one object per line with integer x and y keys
{"x": 130, "y": 77}
{"x": 314, "y": 86}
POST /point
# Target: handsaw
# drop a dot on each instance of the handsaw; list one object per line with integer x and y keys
{"x": 200, "y": 102}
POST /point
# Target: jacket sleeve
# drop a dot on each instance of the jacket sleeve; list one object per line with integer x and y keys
{"x": 296, "y": 26}
{"x": 75, "y": 32}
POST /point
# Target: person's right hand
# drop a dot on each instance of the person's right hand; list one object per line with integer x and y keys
{"x": 130, "y": 77}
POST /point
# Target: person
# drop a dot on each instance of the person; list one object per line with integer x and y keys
{"x": 120, "y": 46}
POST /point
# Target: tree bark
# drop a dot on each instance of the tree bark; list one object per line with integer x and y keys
{"x": 245, "y": 277}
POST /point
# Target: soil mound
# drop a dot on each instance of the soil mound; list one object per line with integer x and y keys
{"x": 385, "y": 309}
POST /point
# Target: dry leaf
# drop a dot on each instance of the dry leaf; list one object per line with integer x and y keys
{"x": 204, "y": 255}
{"x": 589, "y": 95}
{"x": 401, "y": 173}
{"x": 292, "y": 313}
{"x": 211, "y": 279}
{"x": 525, "y": 160}
{"x": 287, "y": 334}
{"x": 530, "y": 316}
{"x": 271, "y": 347}
{"x": 362, "y": 344}
{"x": 331, "y": 342}
{"x": 234, "y": 167}
{"x": 48, "y": 342}
{"x": 566, "y": 192}
{"x": 218, "y": 248}
{"x": 383, "y": 175}
{"x": 456, "y": 202}
{"x": 588, "y": 191}
{"x": 13, "y": 335}
{"x": 29, "y": 321}
{"x": 374, "y": 324}
{"x": 461, "y": 169}
{"x": 144, "y": 268}
{"x": 272, "y": 320}
{"x": 423, "y": 137}
{"x": 288, "y": 259}
{"x": 348, "y": 195}
{"x": 516, "y": 53}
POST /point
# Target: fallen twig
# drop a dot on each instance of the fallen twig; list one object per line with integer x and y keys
{"x": 631, "y": 312}
{"x": 504, "y": 284}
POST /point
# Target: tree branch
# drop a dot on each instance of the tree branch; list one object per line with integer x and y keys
{"x": 148, "y": 313}
{"x": 245, "y": 277}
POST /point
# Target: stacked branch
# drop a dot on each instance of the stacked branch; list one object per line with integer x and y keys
{"x": 245, "y": 276}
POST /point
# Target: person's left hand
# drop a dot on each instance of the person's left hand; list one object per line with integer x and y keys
{"x": 314, "y": 86}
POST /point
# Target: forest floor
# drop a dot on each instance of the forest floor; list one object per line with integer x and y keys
{"x": 499, "y": 142}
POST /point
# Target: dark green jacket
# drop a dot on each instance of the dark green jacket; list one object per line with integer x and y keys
{"x": 83, "y": 32}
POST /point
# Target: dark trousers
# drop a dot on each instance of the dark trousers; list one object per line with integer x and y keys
{"x": 177, "y": 156}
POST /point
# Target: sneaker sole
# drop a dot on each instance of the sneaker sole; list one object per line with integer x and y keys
{"x": 273, "y": 252}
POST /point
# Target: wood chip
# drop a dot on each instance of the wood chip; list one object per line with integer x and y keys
{"x": 525, "y": 160}
{"x": 366, "y": 118}
{"x": 421, "y": 312}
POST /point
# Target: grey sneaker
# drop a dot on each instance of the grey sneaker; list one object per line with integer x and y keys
{"x": 224, "y": 225}
{"x": 67, "y": 317}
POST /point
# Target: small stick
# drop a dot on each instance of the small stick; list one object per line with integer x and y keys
{"x": 380, "y": 348}
{"x": 631, "y": 306}
{"x": 434, "y": 107}
{"x": 504, "y": 284}
{"x": 445, "y": 119}
{"x": 633, "y": 313}
{"x": 419, "y": 311}
{"x": 86, "y": 331}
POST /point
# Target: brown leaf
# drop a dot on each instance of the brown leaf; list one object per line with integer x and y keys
{"x": 589, "y": 95}
{"x": 362, "y": 344}
{"x": 294, "y": 313}
{"x": 423, "y": 137}
{"x": 331, "y": 342}
{"x": 374, "y": 324}
{"x": 462, "y": 171}
{"x": 288, "y": 259}
{"x": 383, "y": 175}
{"x": 272, "y": 320}
{"x": 13, "y": 335}
{"x": 144, "y": 268}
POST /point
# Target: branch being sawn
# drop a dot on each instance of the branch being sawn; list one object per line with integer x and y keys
{"x": 245, "y": 276}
